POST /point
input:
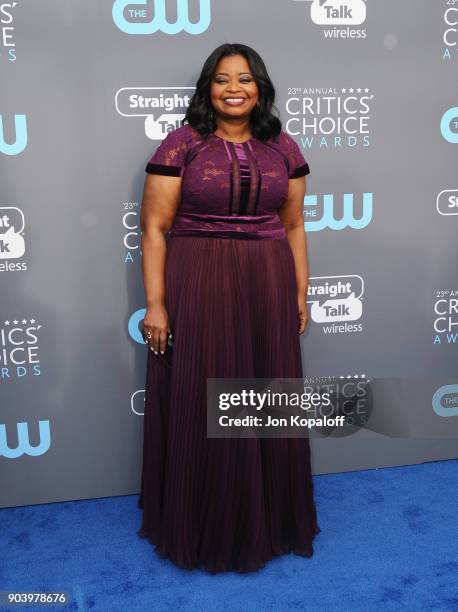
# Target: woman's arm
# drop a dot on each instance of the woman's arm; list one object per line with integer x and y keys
{"x": 161, "y": 198}
{"x": 292, "y": 216}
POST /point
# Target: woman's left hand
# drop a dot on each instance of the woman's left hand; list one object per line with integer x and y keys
{"x": 302, "y": 312}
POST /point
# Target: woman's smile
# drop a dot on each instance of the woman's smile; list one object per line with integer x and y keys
{"x": 234, "y": 101}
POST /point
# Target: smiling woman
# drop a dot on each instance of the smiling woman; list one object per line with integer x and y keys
{"x": 225, "y": 272}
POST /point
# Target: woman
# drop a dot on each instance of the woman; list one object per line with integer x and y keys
{"x": 230, "y": 287}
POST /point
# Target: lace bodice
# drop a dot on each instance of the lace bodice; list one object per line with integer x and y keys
{"x": 229, "y": 189}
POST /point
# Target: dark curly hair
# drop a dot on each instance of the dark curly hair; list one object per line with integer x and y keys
{"x": 264, "y": 124}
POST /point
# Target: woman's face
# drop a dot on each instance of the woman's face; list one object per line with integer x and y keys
{"x": 233, "y": 90}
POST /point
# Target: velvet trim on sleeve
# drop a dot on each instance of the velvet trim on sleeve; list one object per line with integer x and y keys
{"x": 169, "y": 159}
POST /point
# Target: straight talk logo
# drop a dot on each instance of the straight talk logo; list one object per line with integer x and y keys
{"x": 336, "y": 302}
{"x": 162, "y": 108}
{"x": 12, "y": 243}
{"x": 338, "y": 17}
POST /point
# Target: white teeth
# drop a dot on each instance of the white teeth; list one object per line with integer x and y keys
{"x": 233, "y": 99}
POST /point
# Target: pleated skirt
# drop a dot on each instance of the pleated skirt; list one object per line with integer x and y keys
{"x": 224, "y": 504}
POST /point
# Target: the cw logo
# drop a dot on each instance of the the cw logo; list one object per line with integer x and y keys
{"x": 21, "y": 136}
{"x": 449, "y": 118}
{"x": 159, "y": 20}
{"x": 133, "y": 325}
{"x": 328, "y": 219}
{"x": 24, "y": 447}
{"x": 445, "y": 401}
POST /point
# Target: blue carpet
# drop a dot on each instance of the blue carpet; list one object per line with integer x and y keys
{"x": 389, "y": 541}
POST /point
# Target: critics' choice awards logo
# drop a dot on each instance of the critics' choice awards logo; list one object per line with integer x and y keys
{"x": 338, "y": 18}
{"x": 131, "y": 231}
{"x": 18, "y": 141}
{"x": 150, "y": 16}
{"x": 336, "y": 301}
{"x": 325, "y": 213}
{"x": 12, "y": 244}
{"x": 19, "y": 348}
{"x": 19, "y": 442}
{"x": 162, "y": 107}
{"x": 447, "y": 202}
{"x": 326, "y": 117}
{"x": 446, "y": 317}
{"x": 7, "y": 31}
{"x": 450, "y": 35}
{"x": 449, "y": 125}
{"x": 445, "y": 401}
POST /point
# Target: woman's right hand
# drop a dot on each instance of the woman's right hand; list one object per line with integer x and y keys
{"x": 156, "y": 328}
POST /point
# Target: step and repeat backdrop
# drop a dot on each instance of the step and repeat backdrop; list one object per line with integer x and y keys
{"x": 369, "y": 91}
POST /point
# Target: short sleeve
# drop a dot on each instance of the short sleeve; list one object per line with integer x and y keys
{"x": 169, "y": 158}
{"x": 297, "y": 165}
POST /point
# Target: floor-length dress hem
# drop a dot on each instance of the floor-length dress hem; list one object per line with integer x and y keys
{"x": 254, "y": 567}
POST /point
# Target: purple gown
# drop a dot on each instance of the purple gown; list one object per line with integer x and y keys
{"x": 231, "y": 296}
